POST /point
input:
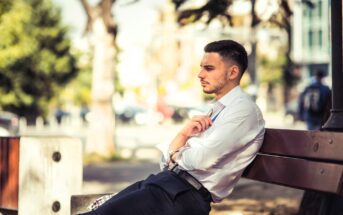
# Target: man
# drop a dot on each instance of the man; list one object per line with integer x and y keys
{"x": 207, "y": 157}
{"x": 314, "y": 102}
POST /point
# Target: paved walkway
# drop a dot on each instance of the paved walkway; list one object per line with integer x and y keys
{"x": 114, "y": 176}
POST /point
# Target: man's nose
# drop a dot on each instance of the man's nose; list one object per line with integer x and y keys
{"x": 201, "y": 74}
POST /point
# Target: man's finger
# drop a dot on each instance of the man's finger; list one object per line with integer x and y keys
{"x": 199, "y": 127}
{"x": 202, "y": 123}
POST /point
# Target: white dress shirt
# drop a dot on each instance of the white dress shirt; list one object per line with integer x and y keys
{"x": 218, "y": 156}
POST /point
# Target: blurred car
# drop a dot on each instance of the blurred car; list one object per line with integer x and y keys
{"x": 127, "y": 114}
{"x": 9, "y": 124}
{"x": 182, "y": 113}
{"x": 134, "y": 114}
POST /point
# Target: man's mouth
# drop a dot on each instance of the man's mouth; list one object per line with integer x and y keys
{"x": 203, "y": 83}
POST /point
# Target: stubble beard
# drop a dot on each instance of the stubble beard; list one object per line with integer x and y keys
{"x": 216, "y": 89}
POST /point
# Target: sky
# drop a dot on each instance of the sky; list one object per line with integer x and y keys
{"x": 136, "y": 24}
{"x": 135, "y": 20}
{"x": 74, "y": 17}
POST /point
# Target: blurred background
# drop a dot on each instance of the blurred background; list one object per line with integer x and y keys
{"x": 121, "y": 75}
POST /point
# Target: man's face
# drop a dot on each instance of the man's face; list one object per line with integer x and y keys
{"x": 214, "y": 74}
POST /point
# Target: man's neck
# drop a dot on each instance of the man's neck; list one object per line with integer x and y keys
{"x": 225, "y": 91}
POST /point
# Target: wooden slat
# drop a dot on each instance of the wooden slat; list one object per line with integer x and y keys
{"x": 317, "y": 145}
{"x": 297, "y": 173}
{"x": 9, "y": 172}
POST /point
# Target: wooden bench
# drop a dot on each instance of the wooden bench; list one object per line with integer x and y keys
{"x": 38, "y": 174}
{"x": 308, "y": 160}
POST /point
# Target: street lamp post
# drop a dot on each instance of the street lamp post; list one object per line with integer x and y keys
{"x": 331, "y": 204}
{"x": 335, "y": 121}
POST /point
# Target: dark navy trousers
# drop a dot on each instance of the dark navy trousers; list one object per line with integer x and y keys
{"x": 161, "y": 194}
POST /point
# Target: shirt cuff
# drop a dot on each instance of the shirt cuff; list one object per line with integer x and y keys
{"x": 163, "y": 164}
{"x": 164, "y": 147}
{"x": 178, "y": 159}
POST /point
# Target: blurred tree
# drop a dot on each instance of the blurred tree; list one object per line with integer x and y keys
{"x": 78, "y": 90}
{"x": 219, "y": 9}
{"x": 35, "y": 57}
{"x": 271, "y": 69}
{"x": 270, "y": 74}
{"x": 103, "y": 29}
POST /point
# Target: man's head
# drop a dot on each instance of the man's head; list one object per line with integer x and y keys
{"x": 222, "y": 66}
{"x": 320, "y": 75}
{"x": 231, "y": 52}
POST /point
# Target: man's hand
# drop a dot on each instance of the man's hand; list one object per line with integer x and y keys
{"x": 196, "y": 125}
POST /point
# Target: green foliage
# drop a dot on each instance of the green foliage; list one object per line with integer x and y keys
{"x": 212, "y": 9}
{"x": 271, "y": 70}
{"x": 208, "y": 97}
{"x": 35, "y": 57}
{"x": 219, "y": 10}
{"x": 78, "y": 91}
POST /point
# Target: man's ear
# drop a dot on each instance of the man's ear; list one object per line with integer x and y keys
{"x": 234, "y": 72}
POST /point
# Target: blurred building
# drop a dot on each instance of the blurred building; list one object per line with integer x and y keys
{"x": 172, "y": 57}
{"x": 311, "y": 37}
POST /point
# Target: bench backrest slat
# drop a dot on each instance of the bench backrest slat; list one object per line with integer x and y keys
{"x": 317, "y": 145}
{"x": 297, "y": 173}
{"x": 310, "y": 160}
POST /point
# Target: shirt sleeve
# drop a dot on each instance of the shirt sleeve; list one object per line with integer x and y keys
{"x": 163, "y": 148}
{"x": 233, "y": 131}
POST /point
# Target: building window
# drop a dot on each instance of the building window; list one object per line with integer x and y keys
{"x": 317, "y": 11}
{"x": 319, "y": 8}
{"x": 320, "y": 39}
{"x": 310, "y": 39}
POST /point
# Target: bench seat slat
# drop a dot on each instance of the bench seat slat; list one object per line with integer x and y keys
{"x": 318, "y": 145}
{"x": 297, "y": 173}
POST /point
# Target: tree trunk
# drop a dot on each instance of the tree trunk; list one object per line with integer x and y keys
{"x": 100, "y": 138}
{"x": 288, "y": 74}
{"x": 252, "y": 67}
{"x": 253, "y": 55}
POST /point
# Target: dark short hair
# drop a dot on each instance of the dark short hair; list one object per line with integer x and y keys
{"x": 320, "y": 73}
{"x": 230, "y": 50}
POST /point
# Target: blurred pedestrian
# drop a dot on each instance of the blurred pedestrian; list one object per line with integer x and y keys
{"x": 84, "y": 110}
{"x": 59, "y": 115}
{"x": 209, "y": 154}
{"x": 313, "y": 102}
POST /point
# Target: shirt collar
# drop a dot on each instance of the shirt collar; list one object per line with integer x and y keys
{"x": 218, "y": 105}
{"x": 228, "y": 98}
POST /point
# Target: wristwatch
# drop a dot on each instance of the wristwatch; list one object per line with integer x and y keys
{"x": 171, "y": 153}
